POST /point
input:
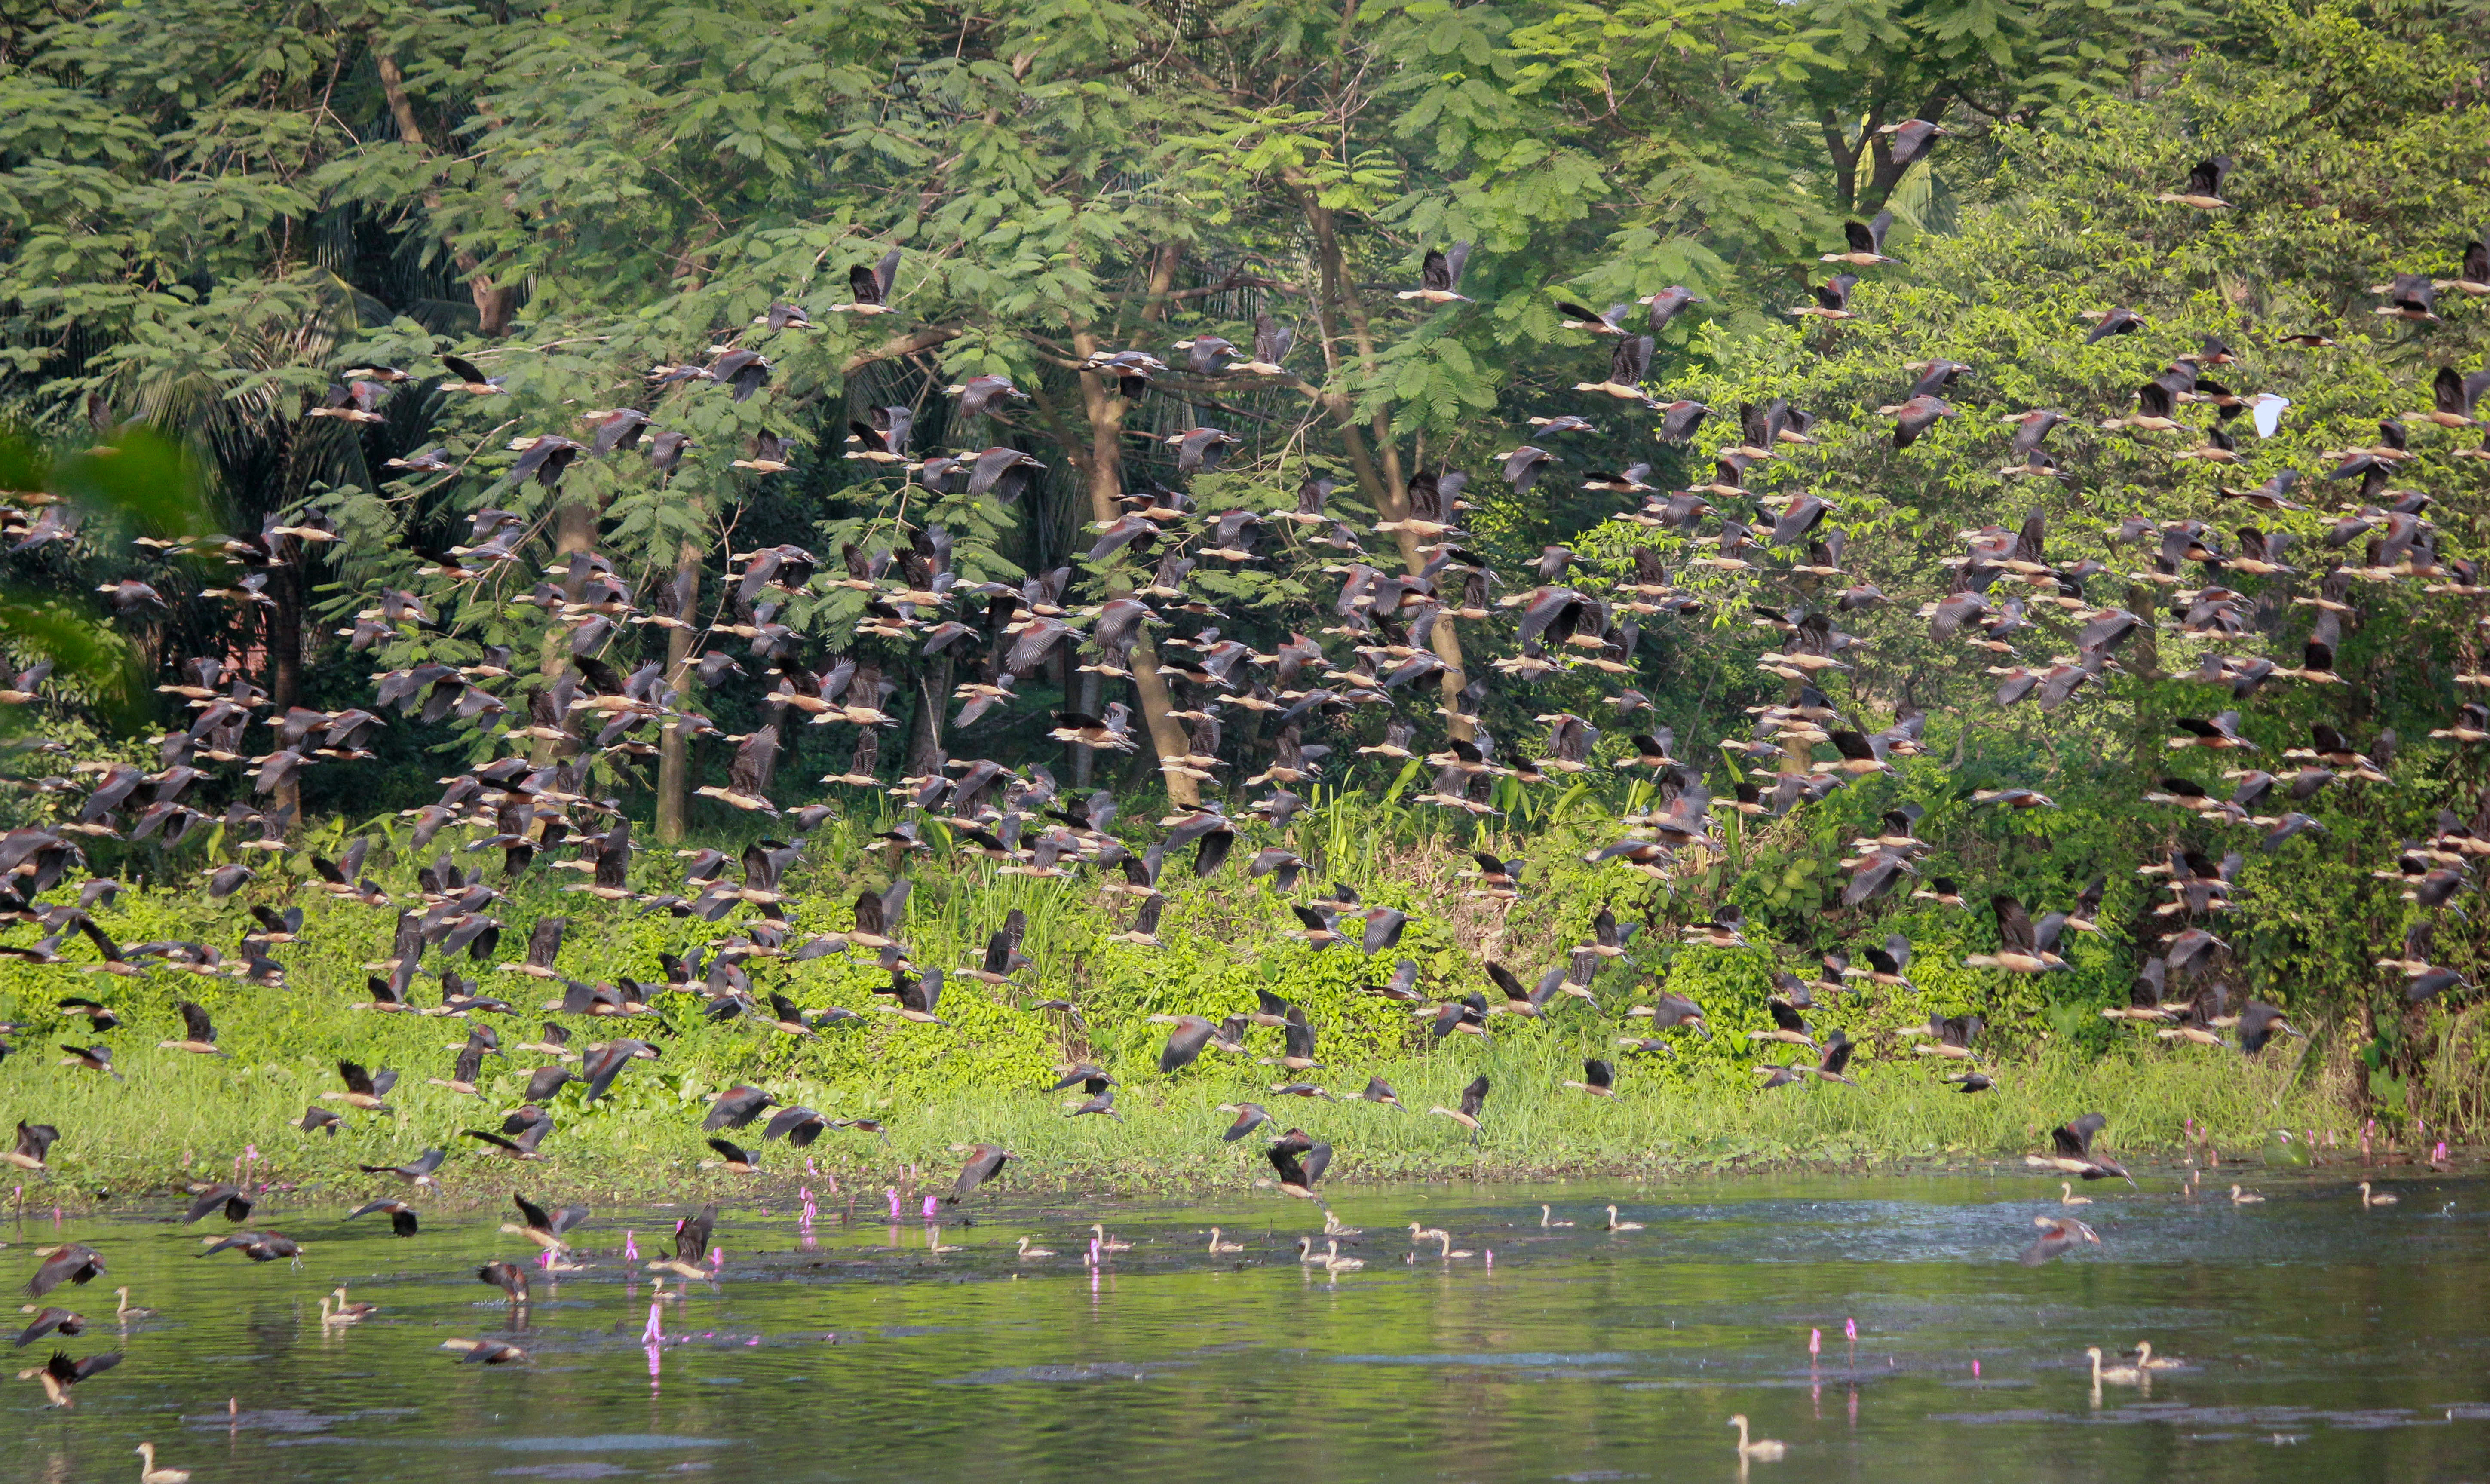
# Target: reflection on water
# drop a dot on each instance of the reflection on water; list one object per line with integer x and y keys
{"x": 1879, "y": 1327}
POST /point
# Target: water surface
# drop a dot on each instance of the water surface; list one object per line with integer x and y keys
{"x": 2322, "y": 1342}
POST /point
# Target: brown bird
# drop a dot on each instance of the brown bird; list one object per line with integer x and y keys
{"x": 59, "y": 1373}
{"x": 691, "y": 1245}
{"x": 69, "y": 1263}
{"x": 1473, "y": 1099}
{"x": 1299, "y": 1159}
{"x": 402, "y": 1216}
{"x": 485, "y": 1352}
{"x": 2059, "y": 1236}
{"x": 2071, "y": 1152}
{"x": 985, "y": 1162}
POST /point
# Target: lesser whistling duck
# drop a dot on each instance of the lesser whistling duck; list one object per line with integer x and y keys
{"x": 1763, "y": 1449}
{"x": 1615, "y": 1225}
{"x": 336, "y": 1309}
{"x": 2369, "y": 1201}
{"x": 691, "y": 1245}
{"x": 1473, "y": 1098}
{"x": 2071, "y": 1152}
{"x": 2146, "y": 1360}
{"x": 149, "y": 1473}
{"x": 1299, "y": 1159}
{"x": 2059, "y": 1236}
{"x": 1220, "y": 1248}
{"x": 2115, "y": 1375}
{"x": 60, "y": 1373}
{"x": 485, "y": 1352}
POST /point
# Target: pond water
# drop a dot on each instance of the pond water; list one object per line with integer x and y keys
{"x": 2322, "y": 1342}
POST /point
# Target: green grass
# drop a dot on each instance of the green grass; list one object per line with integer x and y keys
{"x": 977, "y": 1078}
{"x": 180, "y": 1116}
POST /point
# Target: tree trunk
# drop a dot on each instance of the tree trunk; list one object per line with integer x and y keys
{"x": 925, "y": 733}
{"x": 284, "y": 633}
{"x": 2144, "y": 661}
{"x": 673, "y": 743}
{"x": 1384, "y": 487}
{"x": 285, "y": 639}
{"x": 574, "y": 530}
{"x": 1103, "y": 468}
{"x": 1085, "y": 759}
{"x": 493, "y": 305}
{"x": 1887, "y": 174}
{"x": 1844, "y": 156}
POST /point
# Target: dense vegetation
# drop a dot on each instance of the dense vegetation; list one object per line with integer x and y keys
{"x": 198, "y": 242}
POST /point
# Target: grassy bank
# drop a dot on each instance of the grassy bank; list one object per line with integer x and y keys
{"x": 979, "y": 1076}
{"x": 181, "y": 1117}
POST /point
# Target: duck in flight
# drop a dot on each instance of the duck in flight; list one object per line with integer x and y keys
{"x": 1439, "y": 275}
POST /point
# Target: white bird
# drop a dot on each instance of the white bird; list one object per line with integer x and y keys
{"x": 2268, "y": 408}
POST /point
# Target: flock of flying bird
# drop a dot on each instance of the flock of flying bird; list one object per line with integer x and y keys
{"x": 536, "y": 806}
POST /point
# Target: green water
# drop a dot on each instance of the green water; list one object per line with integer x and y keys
{"x": 2325, "y": 1342}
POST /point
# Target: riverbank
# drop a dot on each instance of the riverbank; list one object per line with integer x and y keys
{"x": 181, "y": 1118}
{"x": 980, "y": 1075}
